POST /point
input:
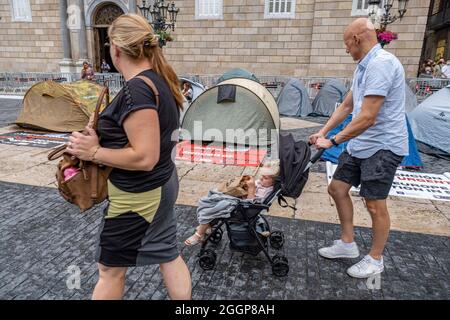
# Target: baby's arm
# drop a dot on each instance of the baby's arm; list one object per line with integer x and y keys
{"x": 251, "y": 188}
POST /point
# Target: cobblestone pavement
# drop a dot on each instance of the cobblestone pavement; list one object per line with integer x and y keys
{"x": 9, "y": 110}
{"x": 42, "y": 236}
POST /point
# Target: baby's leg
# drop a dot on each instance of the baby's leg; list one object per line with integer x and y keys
{"x": 201, "y": 229}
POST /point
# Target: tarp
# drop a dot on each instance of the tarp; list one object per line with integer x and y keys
{"x": 249, "y": 119}
{"x": 412, "y": 160}
{"x": 237, "y": 73}
{"x": 430, "y": 121}
{"x": 332, "y": 93}
{"x": 59, "y": 107}
{"x": 293, "y": 100}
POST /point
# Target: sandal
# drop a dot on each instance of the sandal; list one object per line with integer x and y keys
{"x": 196, "y": 238}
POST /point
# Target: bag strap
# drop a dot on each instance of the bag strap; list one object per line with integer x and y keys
{"x": 152, "y": 86}
{"x": 104, "y": 93}
{"x": 57, "y": 152}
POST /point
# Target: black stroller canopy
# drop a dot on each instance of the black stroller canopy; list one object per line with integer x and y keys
{"x": 294, "y": 159}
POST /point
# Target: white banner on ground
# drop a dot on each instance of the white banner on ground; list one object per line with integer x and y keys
{"x": 412, "y": 184}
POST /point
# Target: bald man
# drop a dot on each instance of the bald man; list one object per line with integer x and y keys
{"x": 378, "y": 141}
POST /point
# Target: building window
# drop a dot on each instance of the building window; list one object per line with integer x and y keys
{"x": 279, "y": 9}
{"x": 209, "y": 9}
{"x": 360, "y": 7}
{"x": 20, "y": 10}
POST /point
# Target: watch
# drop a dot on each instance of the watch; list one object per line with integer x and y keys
{"x": 333, "y": 141}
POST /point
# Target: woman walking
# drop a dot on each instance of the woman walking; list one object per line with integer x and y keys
{"x": 139, "y": 227}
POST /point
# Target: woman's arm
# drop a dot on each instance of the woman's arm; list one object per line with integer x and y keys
{"x": 142, "y": 129}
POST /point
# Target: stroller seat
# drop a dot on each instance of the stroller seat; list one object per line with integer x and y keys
{"x": 247, "y": 228}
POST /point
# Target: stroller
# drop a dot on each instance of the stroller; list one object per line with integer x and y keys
{"x": 247, "y": 228}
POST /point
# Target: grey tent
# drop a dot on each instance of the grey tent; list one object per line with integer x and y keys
{"x": 294, "y": 99}
{"x": 332, "y": 92}
{"x": 430, "y": 121}
{"x": 247, "y": 115}
{"x": 237, "y": 73}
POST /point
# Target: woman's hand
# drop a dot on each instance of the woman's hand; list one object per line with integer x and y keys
{"x": 83, "y": 146}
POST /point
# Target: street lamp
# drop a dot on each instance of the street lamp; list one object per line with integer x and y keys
{"x": 162, "y": 16}
{"x": 386, "y": 17}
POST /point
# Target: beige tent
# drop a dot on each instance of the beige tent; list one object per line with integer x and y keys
{"x": 59, "y": 107}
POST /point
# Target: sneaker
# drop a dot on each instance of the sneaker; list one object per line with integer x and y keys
{"x": 340, "y": 249}
{"x": 367, "y": 267}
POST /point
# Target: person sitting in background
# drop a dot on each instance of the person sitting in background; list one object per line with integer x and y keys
{"x": 187, "y": 91}
{"x": 87, "y": 73}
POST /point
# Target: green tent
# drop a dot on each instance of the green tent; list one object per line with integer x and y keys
{"x": 251, "y": 119}
{"x": 238, "y": 73}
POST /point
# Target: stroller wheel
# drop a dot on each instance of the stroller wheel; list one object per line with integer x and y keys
{"x": 277, "y": 239}
{"x": 216, "y": 236}
{"x": 280, "y": 266}
{"x": 207, "y": 259}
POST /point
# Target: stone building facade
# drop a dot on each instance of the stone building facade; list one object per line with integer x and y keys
{"x": 211, "y": 36}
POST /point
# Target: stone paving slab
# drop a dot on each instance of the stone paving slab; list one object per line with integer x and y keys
{"x": 41, "y": 236}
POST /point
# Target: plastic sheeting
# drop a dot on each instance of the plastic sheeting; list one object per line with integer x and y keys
{"x": 412, "y": 160}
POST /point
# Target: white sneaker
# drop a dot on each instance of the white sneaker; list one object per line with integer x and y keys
{"x": 367, "y": 267}
{"x": 340, "y": 249}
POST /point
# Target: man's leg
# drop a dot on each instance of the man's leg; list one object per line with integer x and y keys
{"x": 380, "y": 226}
{"x": 339, "y": 191}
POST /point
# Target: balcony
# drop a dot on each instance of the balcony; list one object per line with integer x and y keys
{"x": 440, "y": 19}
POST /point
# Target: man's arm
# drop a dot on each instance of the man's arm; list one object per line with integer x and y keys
{"x": 366, "y": 118}
{"x": 339, "y": 115}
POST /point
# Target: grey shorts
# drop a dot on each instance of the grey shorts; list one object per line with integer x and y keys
{"x": 374, "y": 174}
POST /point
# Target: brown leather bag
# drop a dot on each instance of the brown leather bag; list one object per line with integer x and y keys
{"x": 88, "y": 186}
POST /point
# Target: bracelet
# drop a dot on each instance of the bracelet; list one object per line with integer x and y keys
{"x": 95, "y": 152}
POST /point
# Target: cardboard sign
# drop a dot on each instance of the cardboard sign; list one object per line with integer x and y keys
{"x": 234, "y": 156}
{"x": 412, "y": 184}
{"x": 40, "y": 140}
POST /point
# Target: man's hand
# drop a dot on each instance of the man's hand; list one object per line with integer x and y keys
{"x": 322, "y": 143}
{"x": 313, "y": 138}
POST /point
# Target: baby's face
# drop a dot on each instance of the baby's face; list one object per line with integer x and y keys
{"x": 266, "y": 181}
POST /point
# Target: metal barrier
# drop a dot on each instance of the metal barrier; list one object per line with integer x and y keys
{"x": 18, "y": 83}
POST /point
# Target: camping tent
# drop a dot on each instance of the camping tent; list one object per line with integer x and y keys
{"x": 59, "y": 107}
{"x": 412, "y": 160}
{"x": 237, "y": 73}
{"x": 333, "y": 92}
{"x": 236, "y": 104}
{"x": 430, "y": 121}
{"x": 294, "y": 99}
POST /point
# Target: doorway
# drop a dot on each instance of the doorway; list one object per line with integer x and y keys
{"x": 103, "y": 18}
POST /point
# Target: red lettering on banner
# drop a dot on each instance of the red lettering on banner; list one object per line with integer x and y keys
{"x": 250, "y": 157}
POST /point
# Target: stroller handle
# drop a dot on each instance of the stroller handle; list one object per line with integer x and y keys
{"x": 317, "y": 156}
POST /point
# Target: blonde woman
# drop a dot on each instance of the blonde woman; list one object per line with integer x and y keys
{"x": 139, "y": 227}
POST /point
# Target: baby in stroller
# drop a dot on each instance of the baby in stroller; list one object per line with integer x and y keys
{"x": 257, "y": 190}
